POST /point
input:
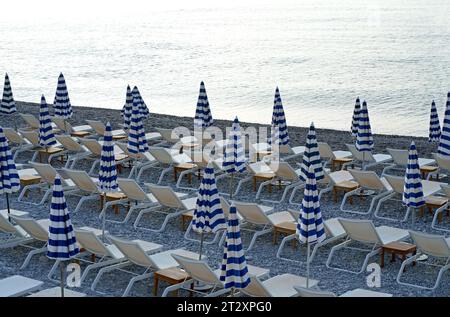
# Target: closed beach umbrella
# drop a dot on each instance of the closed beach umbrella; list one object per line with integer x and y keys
{"x": 364, "y": 138}
{"x": 143, "y": 109}
{"x": 7, "y": 105}
{"x": 137, "y": 143}
{"x": 444, "y": 141}
{"x": 279, "y": 121}
{"x": 203, "y": 117}
{"x": 234, "y": 271}
{"x": 208, "y": 214}
{"x": 108, "y": 173}
{"x": 46, "y": 136}
{"x": 311, "y": 157}
{"x": 234, "y": 160}
{"x": 62, "y": 244}
{"x": 435, "y": 127}
{"x": 9, "y": 179}
{"x": 355, "y": 118}
{"x": 310, "y": 227}
{"x": 61, "y": 104}
{"x": 412, "y": 190}
{"x": 127, "y": 108}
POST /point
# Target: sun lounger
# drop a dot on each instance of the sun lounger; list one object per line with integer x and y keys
{"x": 65, "y": 125}
{"x": 277, "y": 286}
{"x": 364, "y": 232}
{"x": 435, "y": 246}
{"x": 367, "y": 180}
{"x": 18, "y": 285}
{"x": 256, "y": 170}
{"x": 138, "y": 160}
{"x": 201, "y": 272}
{"x": 168, "y": 159}
{"x": 136, "y": 255}
{"x": 329, "y": 156}
{"x": 95, "y": 147}
{"x": 358, "y": 292}
{"x": 12, "y": 235}
{"x": 169, "y": 203}
{"x": 400, "y": 158}
{"x": 261, "y": 217}
{"x": 443, "y": 164}
{"x": 54, "y": 151}
{"x": 334, "y": 232}
{"x": 445, "y": 189}
{"x": 284, "y": 173}
{"x": 75, "y": 151}
{"x": 47, "y": 174}
{"x": 17, "y": 143}
{"x": 283, "y": 152}
{"x": 32, "y": 121}
{"x": 367, "y": 158}
{"x": 107, "y": 254}
{"x": 100, "y": 129}
{"x": 397, "y": 184}
{"x": 37, "y": 230}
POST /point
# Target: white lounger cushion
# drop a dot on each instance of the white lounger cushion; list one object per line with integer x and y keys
{"x": 164, "y": 260}
{"x": 359, "y": 292}
{"x": 14, "y": 212}
{"x": 56, "y": 292}
{"x": 18, "y": 285}
{"x": 283, "y": 285}
{"x": 380, "y": 158}
{"x": 252, "y": 271}
{"x": 334, "y": 227}
{"x": 391, "y": 234}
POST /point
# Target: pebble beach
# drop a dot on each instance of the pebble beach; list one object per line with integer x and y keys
{"x": 264, "y": 252}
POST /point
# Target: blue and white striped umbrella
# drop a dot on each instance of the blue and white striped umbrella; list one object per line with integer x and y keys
{"x": 127, "y": 108}
{"x": 108, "y": 173}
{"x": 142, "y": 106}
{"x": 8, "y": 105}
{"x": 9, "y": 178}
{"x": 62, "y": 244}
{"x": 412, "y": 190}
{"x": 137, "y": 143}
{"x": 234, "y": 158}
{"x": 355, "y": 118}
{"x": 444, "y": 141}
{"x": 311, "y": 157}
{"x": 279, "y": 121}
{"x": 203, "y": 117}
{"x": 234, "y": 271}
{"x": 61, "y": 104}
{"x": 208, "y": 214}
{"x": 46, "y": 136}
{"x": 310, "y": 227}
{"x": 435, "y": 127}
{"x": 364, "y": 138}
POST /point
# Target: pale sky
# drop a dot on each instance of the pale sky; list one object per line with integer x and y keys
{"x": 44, "y": 9}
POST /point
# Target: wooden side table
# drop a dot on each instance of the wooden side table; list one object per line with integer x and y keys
{"x": 345, "y": 186}
{"x": 186, "y": 218}
{"x": 29, "y": 180}
{"x": 425, "y": 170}
{"x": 171, "y": 276}
{"x": 111, "y": 197}
{"x": 287, "y": 228}
{"x": 339, "y": 162}
{"x": 263, "y": 177}
{"x": 79, "y": 134}
{"x": 397, "y": 248}
{"x": 45, "y": 153}
{"x": 434, "y": 202}
{"x": 119, "y": 137}
{"x": 183, "y": 167}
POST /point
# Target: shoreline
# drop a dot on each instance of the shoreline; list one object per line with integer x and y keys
{"x": 336, "y": 138}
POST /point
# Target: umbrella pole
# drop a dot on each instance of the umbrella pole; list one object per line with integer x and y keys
{"x": 307, "y": 264}
{"x": 7, "y": 207}
{"x": 201, "y": 246}
{"x": 104, "y": 216}
{"x": 62, "y": 278}
{"x": 231, "y": 185}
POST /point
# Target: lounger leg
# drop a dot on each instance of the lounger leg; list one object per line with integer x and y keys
{"x": 346, "y": 196}
{"x": 436, "y": 217}
{"x": 294, "y": 191}
{"x": 375, "y": 199}
{"x": 256, "y": 235}
{"x": 94, "y": 165}
{"x": 26, "y": 189}
{"x": 283, "y": 196}
{"x": 282, "y": 244}
{"x": 240, "y": 183}
{"x": 31, "y": 254}
{"x": 165, "y": 222}
{"x": 261, "y": 186}
{"x": 164, "y": 172}
{"x": 325, "y": 190}
{"x": 110, "y": 204}
{"x": 387, "y": 168}
{"x": 134, "y": 280}
{"x": 380, "y": 202}
{"x": 106, "y": 270}
{"x": 141, "y": 213}
{"x": 82, "y": 200}
{"x": 343, "y": 245}
{"x": 189, "y": 229}
{"x": 141, "y": 171}
{"x": 182, "y": 175}
{"x": 175, "y": 287}
{"x": 97, "y": 265}
{"x": 55, "y": 266}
